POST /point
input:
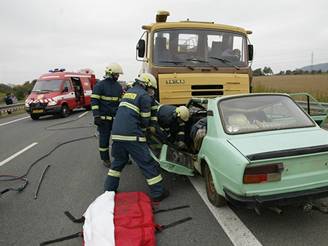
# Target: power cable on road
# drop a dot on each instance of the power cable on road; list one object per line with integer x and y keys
{"x": 23, "y": 178}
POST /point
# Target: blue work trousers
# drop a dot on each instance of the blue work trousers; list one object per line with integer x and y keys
{"x": 104, "y": 136}
{"x": 141, "y": 155}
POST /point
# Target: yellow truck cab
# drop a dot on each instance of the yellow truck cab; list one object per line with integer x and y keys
{"x": 195, "y": 59}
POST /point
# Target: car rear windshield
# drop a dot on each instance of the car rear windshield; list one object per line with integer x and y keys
{"x": 47, "y": 85}
{"x": 261, "y": 113}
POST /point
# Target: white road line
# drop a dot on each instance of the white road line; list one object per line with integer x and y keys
{"x": 17, "y": 154}
{"x": 235, "y": 229}
{"x": 81, "y": 115}
{"x": 9, "y": 122}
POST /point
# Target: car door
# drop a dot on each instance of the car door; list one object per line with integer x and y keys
{"x": 173, "y": 160}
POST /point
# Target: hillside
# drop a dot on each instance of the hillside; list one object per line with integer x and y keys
{"x": 322, "y": 66}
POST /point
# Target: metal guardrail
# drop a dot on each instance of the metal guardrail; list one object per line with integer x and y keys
{"x": 11, "y": 108}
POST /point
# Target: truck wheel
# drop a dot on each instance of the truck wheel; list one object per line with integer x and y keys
{"x": 216, "y": 199}
{"x": 64, "y": 111}
{"x": 35, "y": 116}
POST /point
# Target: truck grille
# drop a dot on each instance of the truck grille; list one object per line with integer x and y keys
{"x": 38, "y": 105}
{"x": 206, "y": 90}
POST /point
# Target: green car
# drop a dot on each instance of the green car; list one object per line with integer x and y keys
{"x": 253, "y": 150}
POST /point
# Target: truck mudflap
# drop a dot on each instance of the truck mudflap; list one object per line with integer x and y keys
{"x": 174, "y": 161}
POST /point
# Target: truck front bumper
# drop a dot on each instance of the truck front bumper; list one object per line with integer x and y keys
{"x": 283, "y": 199}
{"x": 49, "y": 110}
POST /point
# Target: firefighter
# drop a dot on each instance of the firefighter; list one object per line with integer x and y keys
{"x": 105, "y": 99}
{"x": 128, "y": 135}
{"x": 170, "y": 124}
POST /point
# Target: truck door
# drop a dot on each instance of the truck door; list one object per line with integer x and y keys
{"x": 69, "y": 94}
{"x": 173, "y": 160}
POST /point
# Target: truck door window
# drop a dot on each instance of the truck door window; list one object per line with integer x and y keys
{"x": 67, "y": 85}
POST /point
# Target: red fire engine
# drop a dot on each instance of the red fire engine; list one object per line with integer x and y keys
{"x": 59, "y": 92}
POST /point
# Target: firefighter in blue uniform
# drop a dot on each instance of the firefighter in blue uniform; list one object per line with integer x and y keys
{"x": 128, "y": 135}
{"x": 168, "y": 123}
{"x": 105, "y": 98}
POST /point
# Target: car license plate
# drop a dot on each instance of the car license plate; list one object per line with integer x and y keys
{"x": 37, "y": 111}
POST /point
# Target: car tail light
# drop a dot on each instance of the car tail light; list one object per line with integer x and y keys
{"x": 264, "y": 173}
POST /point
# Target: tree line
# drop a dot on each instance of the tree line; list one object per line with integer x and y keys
{"x": 268, "y": 71}
{"x": 20, "y": 91}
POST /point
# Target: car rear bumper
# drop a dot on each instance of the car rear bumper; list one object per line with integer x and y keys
{"x": 283, "y": 199}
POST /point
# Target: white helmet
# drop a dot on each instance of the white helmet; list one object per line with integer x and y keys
{"x": 148, "y": 80}
{"x": 113, "y": 68}
{"x": 182, "y": 113}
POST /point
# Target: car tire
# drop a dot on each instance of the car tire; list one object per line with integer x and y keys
{"x": 64, "y": 112}
{"x": 35, "y": 116}
{"x": 216, "y": 199}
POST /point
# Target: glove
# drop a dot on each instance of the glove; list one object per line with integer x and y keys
{"x": 98, "y": 121}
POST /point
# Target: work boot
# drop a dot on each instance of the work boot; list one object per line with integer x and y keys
{"x": 106, "y": 163}
{"x": 160, "y": 198}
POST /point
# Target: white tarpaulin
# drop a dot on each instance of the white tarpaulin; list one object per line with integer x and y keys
{"x": 98, "y": 229}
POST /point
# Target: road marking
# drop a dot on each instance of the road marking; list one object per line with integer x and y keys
{"x": 9, "y": 122}
{"x": 17, "y": 154}
{"x": 81, "y": 115}
{"x": 235, "y": 229}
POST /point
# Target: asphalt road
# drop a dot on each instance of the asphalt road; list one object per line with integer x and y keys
{"x": 76, "y": 176}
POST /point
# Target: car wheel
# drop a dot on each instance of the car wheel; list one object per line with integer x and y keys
{"x": 35, "y": 116}
{"x": 64, "y": 111}
{"x": 216, "y": 199}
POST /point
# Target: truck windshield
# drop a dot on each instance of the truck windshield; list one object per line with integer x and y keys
{"x": 192, "y": 47}
{"x": 261, "y": 113}
{"x": 47, "y": 85}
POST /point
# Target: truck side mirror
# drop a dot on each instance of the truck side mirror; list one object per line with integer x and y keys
{"x": 65, "y": 89}
{"x": 250, "y": 52}
{"x": 141, "y": 46}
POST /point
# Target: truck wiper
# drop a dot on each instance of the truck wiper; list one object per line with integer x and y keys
{"x": 174, "y": 62}
{"x": 202, "y": 61}
{"x": 178, "y": 63}
{"x": 225, "y": 61}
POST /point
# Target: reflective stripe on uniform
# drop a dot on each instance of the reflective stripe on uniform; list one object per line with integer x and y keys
{"x": 145, "y": 114}
{"x": 109, "y": 98}
{"x": 155, "y": 180}
{"x": 95, "y": 107}
{"x": 154, "y": 107}
{"x": 143, "y": 129}
{"x": 95, "y": 96}
{"x": 128, "y": 138}
{"x": 181, "y": 133}
{"x": 182, "y": 124}
{"x": 103, "y": 149}
{"x": 114, "y": 173}
{"x": 106, "y": 117}
{"x": 130, "y": 106}
{"x": 154, "y": 118}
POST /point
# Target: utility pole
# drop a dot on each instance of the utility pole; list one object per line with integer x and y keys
{"x": 312, "y": 61}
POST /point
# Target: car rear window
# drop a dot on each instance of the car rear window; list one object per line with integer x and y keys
{"x": 261, "y": 113}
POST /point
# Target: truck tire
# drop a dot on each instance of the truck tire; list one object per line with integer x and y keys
{"x": 216, "y": 199}
{"x": 35, "y": 116}
{"x": 64, "y": 112}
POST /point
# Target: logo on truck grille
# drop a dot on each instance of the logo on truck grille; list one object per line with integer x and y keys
{"x": 175, "y": 81}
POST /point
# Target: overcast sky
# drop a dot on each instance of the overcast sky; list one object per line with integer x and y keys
{"x": 37, "y": 35}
